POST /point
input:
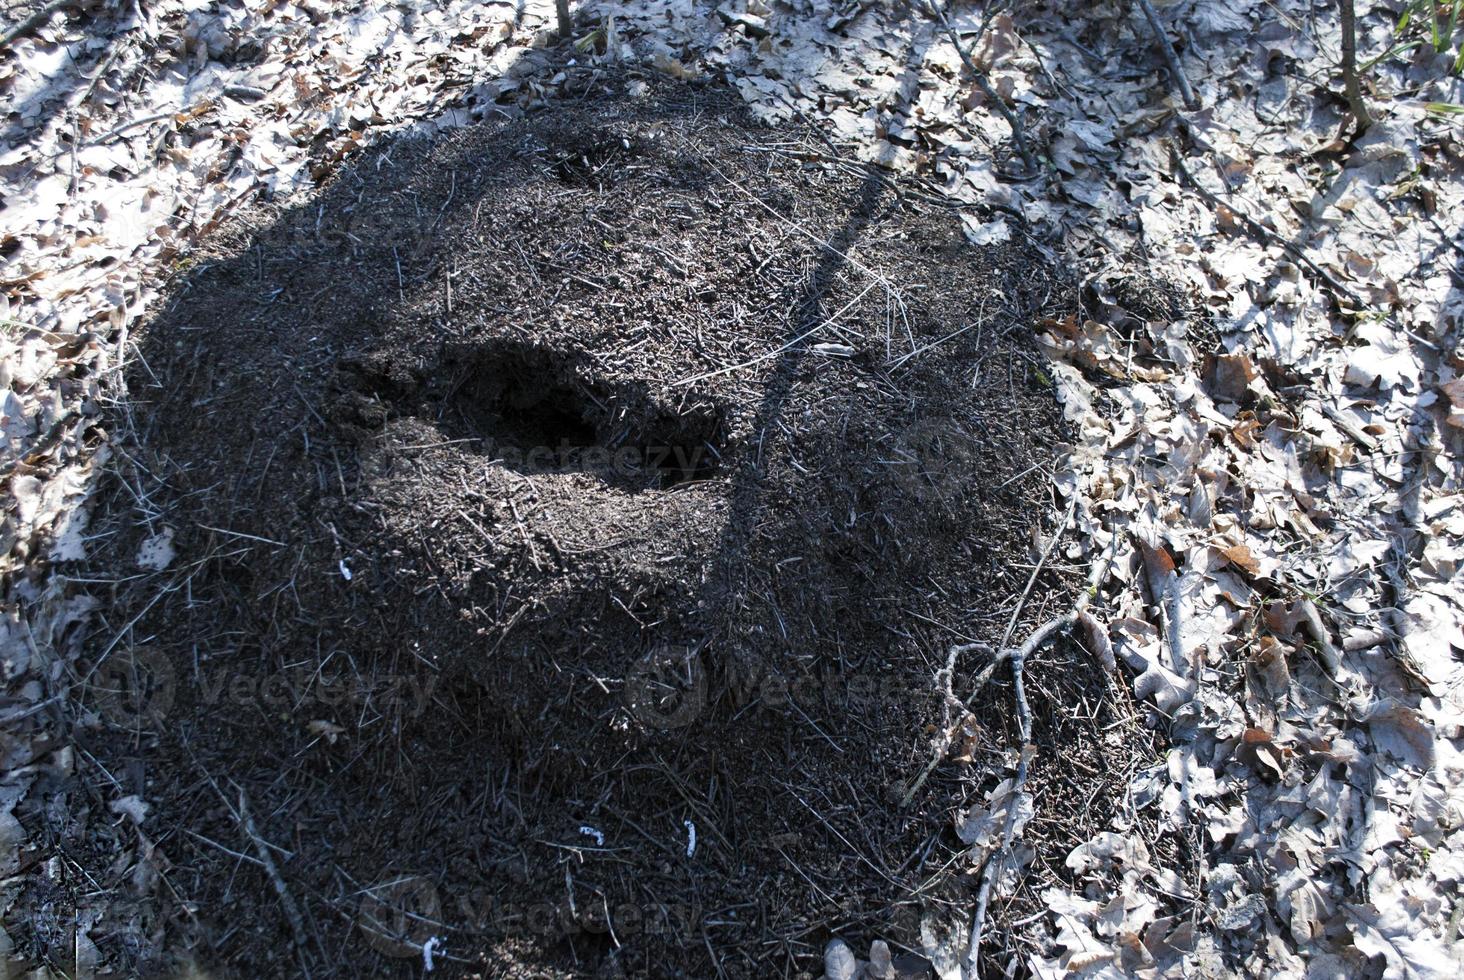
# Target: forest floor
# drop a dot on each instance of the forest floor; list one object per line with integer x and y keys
{"x": 1249, "y": 311}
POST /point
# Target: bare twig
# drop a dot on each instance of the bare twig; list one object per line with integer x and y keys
{"x": 1350, "y": 79}
{"x": 1265, "y": 234}
{"x": 1176, "y": 70}
{"x": 1002, "y": 653}
{"x": 1350, "y": 427}
{"x": 1019, "y": 136}
{"x": 1057, "y": 533}
{"x": 261, "y": 848}
{"x": 1262, "y": 232}
{"x": 1018, "y": 658}
{"x": 35, "y": 20}
{"x": 561, "y": 10}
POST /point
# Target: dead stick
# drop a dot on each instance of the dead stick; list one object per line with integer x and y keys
{"x": 1002, "y": 653}
{"x": 1176, "y": 71}
{"x": 292, "y": 911}
{"x": 1018, "y": 658}
{"x": 1262, "y": 232}
{"x": 1265, "y": 234}
{"x": 971, "y": 968}
{"x": 35, "y": 20}
{"x": 1018, "y": 135}
{"x": 950, "y": 733}
{"x": 1057, "y": 533}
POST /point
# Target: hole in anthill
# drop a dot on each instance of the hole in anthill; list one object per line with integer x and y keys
{"x": 533, "y": 415}
{"x": 526, "y": 408}
{"x": 672, "y": 450}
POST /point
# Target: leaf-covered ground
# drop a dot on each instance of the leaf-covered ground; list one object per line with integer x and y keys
{"x": 1265, "y": 386}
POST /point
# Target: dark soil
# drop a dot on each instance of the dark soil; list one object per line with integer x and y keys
{"x": 545, "y": 492}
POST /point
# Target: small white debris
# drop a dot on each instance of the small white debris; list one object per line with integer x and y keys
{"x": 592, "y": 832}
{"x": 328, "y": 730}
{"x": 833, "y": 350}
{"x": 432, "y": 945}
{"x": 989, "y": 233}
{"x": 345, "y": 571}
{"x": 157, "y": 552}
{"x": 690, "y": 837}
{"x": 131, "y": 807}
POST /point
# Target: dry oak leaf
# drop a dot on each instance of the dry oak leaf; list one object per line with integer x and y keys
{"x": 1454, "y": 390}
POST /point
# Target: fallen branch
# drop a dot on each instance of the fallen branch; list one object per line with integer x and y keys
{"x": 1294, "y": 251}
{"x": 1265, "y": 234}
{"x": 1019, "y": 136}
{"x": 1002, "y": 652}
{"x": 245, "y": 820}
{"x": 1018, "y": 658}
{"x": 1262, "y": 232}
{"x": 261, "y": 848}
{"x": 1176, "y": 70}
{"x": 35, "y": 20}
{"x": 1350, "y": 427}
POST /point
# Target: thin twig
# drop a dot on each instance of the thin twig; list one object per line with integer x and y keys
{"x": 1262, "y": 232}
{"x": 1057, "y": 533}
{"x": 131, "y": 124}
{"x": 261, "y": 848}
{"x": 1265, "y": 234}
{"x": 1350, "y": 427}
{"x": 1019, "y": 136}
{"x": 1176, "y": 70}
{"x": 1002, "y": 652}
{"x": 35, "y": 20}
{"x": 1018, "y": 658}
